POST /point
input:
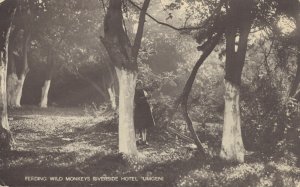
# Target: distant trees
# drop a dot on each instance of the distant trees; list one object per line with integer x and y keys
{"x": 18, "y": 58}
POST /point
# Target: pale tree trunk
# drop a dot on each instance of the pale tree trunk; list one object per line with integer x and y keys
{"x": 232, "y": 143}
{"x": 47, "y": 83}
{"x": 3, "y": 98}
{"x": 110, "y": 82}
{"x": 15, "y": 89}
{"x": 127, "y": 82}
{"x": 45, "y": 91}
{"x": 12, "y": 77}
{"x": 112, "y": 97}
{"x": 7, "y": 11}
{"x": 5, "y": 134}
{"x": 19, "y": 84}
{"x": 16, "y": 81}
{"x": 19, "y": 90}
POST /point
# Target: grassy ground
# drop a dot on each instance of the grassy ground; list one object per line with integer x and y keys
{"x": 72, "y": 142}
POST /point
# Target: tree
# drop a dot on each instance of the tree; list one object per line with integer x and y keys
{"x": 237, "y": 30}
{"x": 67, "y": 38}
{"x": 291, "y": 9}
{"x": 7, "y": 11}
{"x": 124, "y": 56}
{"x": 48, "y": 77}
{"x": 19, "y": 63}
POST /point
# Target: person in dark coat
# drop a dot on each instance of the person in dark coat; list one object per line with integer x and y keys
{"x": 143, "y": 119}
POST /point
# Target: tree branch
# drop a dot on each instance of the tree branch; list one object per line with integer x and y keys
{"x": 179, "y": 28}
{"x": 163, "y": 23}
{"x": 188, "y": 87}
{"x": 140, "y": 29}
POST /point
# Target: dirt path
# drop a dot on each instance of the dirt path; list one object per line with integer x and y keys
{"x": 68, "y": 141}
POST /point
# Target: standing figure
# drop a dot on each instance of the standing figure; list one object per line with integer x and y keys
{"x": 143, "y": 119}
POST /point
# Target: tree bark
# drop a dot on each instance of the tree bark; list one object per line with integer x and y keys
{"x": 127, "y": 81}
{"x": 12, "y": 77}
{"x": 112, "y": 97}
{"x": 210, "y": 45}
{"x": 123, "y": 56}
{"x": 232, "y": 148}
{"x": 7, "y": 11}
{"x": 45, "y": 92}
{"x": 232, "y": 143}
{"x": 110, "y": 83}
{"x": 49, "y": 73}
{"x": 296, "y": 81}
{"x": 17, "y": 78}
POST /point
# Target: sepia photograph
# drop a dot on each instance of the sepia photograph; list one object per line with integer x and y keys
{"x": 150, "y": 93}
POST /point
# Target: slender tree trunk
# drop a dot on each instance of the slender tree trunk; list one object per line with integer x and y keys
{"x": 12, "y": 77}
{"x": 112, "y": 97}
{"x": 25, "y": 69}
{"x": 7, "y": 11}
{"x": 210, "y": 45}
{"x": 19, "y": 90}
{"x": 16, "y": 85}
{"x": 110, "y": 82}
{"x": 296, "y": 81}
{"x": 49, "y": 72}
{"x": 45, "y": 91}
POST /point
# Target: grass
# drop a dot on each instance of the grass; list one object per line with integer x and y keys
{"x": 69, "y": 142}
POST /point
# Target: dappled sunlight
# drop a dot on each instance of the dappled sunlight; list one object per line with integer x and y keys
{"x": 286, "y": 25}
{"x": 156, "y": 93}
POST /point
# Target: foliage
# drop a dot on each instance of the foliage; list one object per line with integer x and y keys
{"x": 266, "y": 116}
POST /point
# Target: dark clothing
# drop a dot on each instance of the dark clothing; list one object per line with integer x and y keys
{"x": 142, "y": 113}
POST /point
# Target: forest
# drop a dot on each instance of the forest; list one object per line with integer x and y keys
{"x": 150, "y": 93}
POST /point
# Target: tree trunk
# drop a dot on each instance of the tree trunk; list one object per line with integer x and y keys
{"x": 232, "y": 143}
{"x": 24, "y": 70}
{"x": 12, "y": 82}
{"x": 238, "y": 26}
{"x": 19, "y": 90}
{"x": 127, "y": 81}
{"x": 7, "y": 11}
{"x": 15, "y": 86}
{"x": 45, "y": 91}
{"x": 296, "y": 81}
{"x": 210, "y": 45}
{"x": 112, "y": 97}
{"x": 12, "y": 77}
{"x": 123, "y": 56}
{"x": 49, "y": 73}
